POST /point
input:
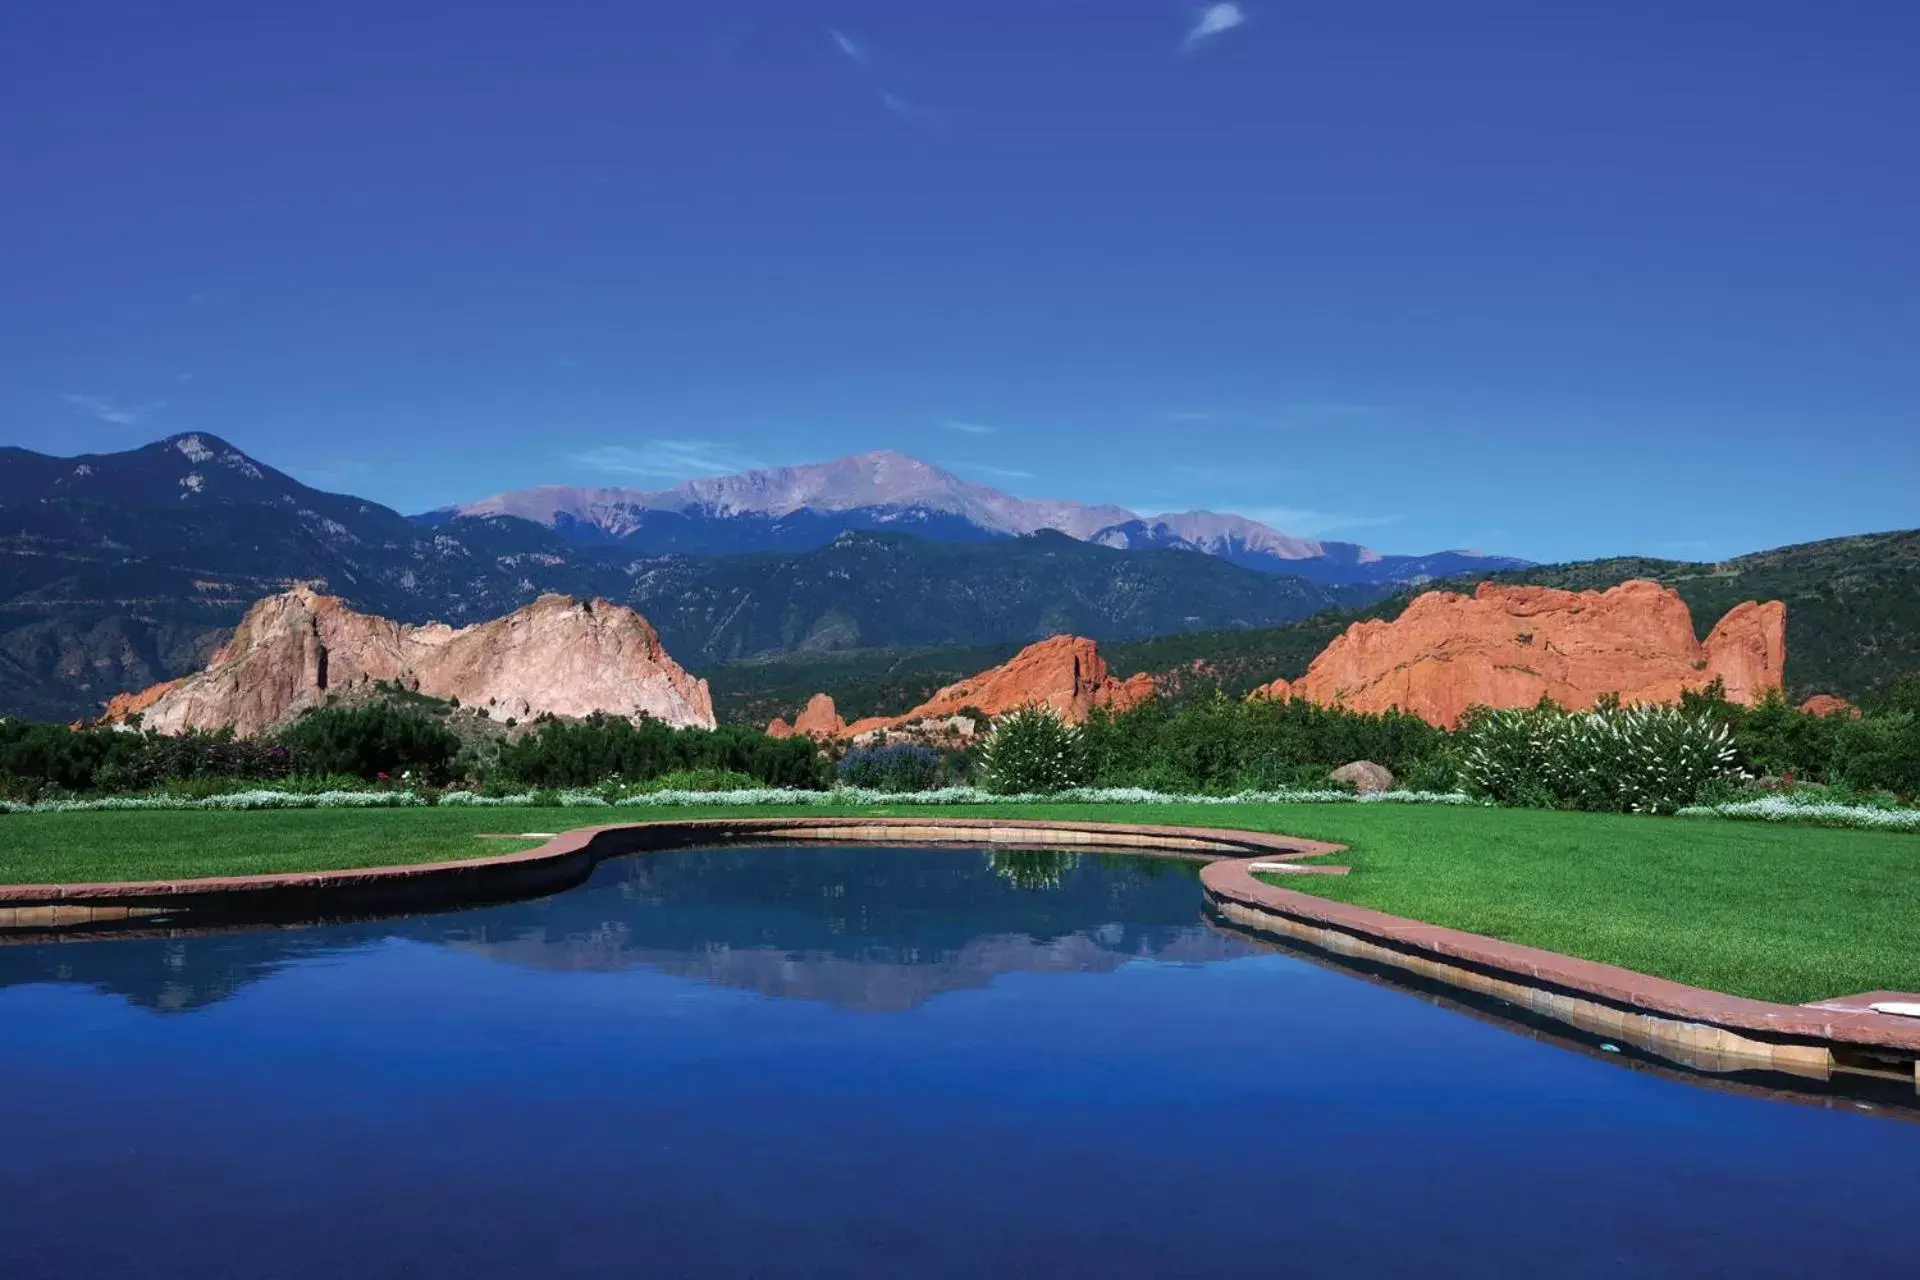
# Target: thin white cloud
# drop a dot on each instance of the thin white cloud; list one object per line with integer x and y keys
{"x": 848, "y": 45}
{"x": 969, "y": 428}
{"x": 861, "y": 55}
{"x": 1213, "y": 21}
{"x": 1001, "y": 473}
{"x": 666, "y": 459}
{"x": 912, "y": 112}
{"x": 107, "y": 409}
{"x": 1333, "y": 409}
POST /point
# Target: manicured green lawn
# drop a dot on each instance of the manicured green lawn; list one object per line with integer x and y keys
{"x": 1778, "y": 913}
{"x": 1782, "y": 913}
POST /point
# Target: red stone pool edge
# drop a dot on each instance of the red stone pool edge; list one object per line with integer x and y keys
{"x": 1706, "y": 1030}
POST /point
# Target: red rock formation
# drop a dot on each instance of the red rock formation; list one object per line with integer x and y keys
{"x": 819, "y": 720}
{"x": 1278, "y": 691}
{"x": 123, "y": 706}
{"x": 1509, "y": 646}
{"x": 1748, "y": 649}
{"x": 1065, "y": 673}
{"x": 556, "y": 655}
{"x": 1829, "y": 704}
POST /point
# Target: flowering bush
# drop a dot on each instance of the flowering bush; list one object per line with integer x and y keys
{"x": 1032, "y": 751}
{"x": 1650, "y": 759}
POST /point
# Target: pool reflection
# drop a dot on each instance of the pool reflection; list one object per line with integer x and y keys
{"x": 858, "y": 928}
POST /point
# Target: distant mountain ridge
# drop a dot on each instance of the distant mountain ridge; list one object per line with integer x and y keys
{"x": 871, "y": 589}
{"x": 799, "y": 508}
{"x": 121, "y": 570}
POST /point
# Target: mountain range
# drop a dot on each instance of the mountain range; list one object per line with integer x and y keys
{"x": 120, "y": 570}
{"x": 800, "y": 508}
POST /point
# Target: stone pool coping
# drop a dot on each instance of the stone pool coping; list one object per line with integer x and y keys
{"x": 1837, "y": 1034}
{"x": 1702, "y": 1026}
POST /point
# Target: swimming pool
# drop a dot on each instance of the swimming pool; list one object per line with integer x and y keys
{"x": 864, "y": 1061}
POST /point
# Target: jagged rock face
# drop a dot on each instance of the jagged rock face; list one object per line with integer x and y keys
{"x": 557, "y": 655}
{"x": 1064, "y": 673}
{"x": 819, "y": 719}
{"x": 1278, "y": 691}
{"x": 1510, "y": 646}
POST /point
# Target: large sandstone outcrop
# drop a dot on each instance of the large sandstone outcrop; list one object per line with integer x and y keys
{"x": 1065, "y": 673}
{"x": 557, "y": 655}
{"x": 1508, "y": 646}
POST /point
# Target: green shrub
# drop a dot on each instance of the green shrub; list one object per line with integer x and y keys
{"x": 1438, "y": 772}
{"x": 1219, "y": 744}
{"x": 375, "y": 740}
{"x": 1878, "y": 753}
{"x": 585, "y": 753}
{"x": 1032, "y": 751}
{"x": 209, "y": 761}
{"x": 1902, "y": 695}
{"x": 704, "y": 780}
{"x": 1772, "y": 738}
{"x": 38, "y": 759}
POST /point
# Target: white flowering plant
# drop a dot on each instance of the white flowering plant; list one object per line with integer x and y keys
{"x": 1033, "y": 751}
{"x": 1808, "y": 810}
{"x": 1641, "y": 759}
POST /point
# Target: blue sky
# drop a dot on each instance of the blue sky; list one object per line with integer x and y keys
{"x": 1552, "y": 279}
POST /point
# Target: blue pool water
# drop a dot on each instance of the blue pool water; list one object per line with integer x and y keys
{"x": 865, "y": 1062}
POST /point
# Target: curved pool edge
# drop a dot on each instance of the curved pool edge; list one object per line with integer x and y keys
{"x": 567, "y": 858}
{"x": 1706, "y": 1030}
{"x": 1689, "y": 1024}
